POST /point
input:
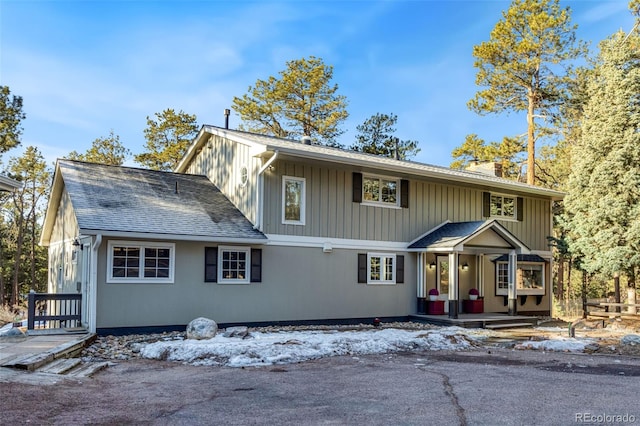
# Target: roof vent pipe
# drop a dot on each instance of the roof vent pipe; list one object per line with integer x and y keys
{"x": 306, "y": 139}
{"x": 227, "y": 111}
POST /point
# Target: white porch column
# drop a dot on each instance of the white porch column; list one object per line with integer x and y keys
{"x": 512, "y": 294}
{"x": 453, "y": 285}
{"x": 421, "y": 284}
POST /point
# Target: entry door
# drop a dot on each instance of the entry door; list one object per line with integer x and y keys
{"x": 443, "y": 280}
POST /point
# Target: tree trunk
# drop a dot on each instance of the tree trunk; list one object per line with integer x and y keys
{"x": 16, "y": 267}
{"x": 2, "y": 295}
{"x": 616, "y": 289}
{"x": 531, "y": 144}
{"x": 631, "y": 293}
{"x": 560, "y": 278}
{"x": 585, "y": 281}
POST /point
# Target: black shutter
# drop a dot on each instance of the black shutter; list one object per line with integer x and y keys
{"x": 357, "y": 187}
{"x": 399, "y": 269}
{"x": 404, "y": 193}
{"x": 362, "y": 268}
{"x": 519, "y": 208}
{"x": 486, "y": 204}
{"x": 211, "y": 264}
{"x": 256, "y": 265}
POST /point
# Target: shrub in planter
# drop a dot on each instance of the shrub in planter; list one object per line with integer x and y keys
{"x": 433, "y": 294}
{"x": 473, "y": 294}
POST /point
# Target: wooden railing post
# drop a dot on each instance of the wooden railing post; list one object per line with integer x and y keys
{"x": 31, "y": 314}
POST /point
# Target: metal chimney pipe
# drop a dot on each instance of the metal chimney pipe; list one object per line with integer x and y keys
{"x": 227, "y": 111}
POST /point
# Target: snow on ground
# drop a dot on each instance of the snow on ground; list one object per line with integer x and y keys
{"x": 558, "y": 344}
{"x": 296, "y": 346}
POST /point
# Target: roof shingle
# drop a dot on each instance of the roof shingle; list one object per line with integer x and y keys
{"x": 124, "y": 199}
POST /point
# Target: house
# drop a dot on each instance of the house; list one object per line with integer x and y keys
{"x": 257, "y": 229}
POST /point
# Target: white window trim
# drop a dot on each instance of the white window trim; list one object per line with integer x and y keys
{"x": 382, "y": 257}
{"x": 247, "y": 279}
{"x": 395, "y": 205}
{"x": 513, "y": 218}
{"x": 303, "y": 196}
{"x": 141, "y": 245}
{"x": 521, "y": 291}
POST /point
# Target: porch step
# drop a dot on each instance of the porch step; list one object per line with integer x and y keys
{"x": 60, "y": 366}
{"x": 494, "y": 326}
{"x": 87, "y": 369}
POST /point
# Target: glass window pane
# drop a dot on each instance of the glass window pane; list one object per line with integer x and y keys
{"x": 371, "y": 189}
{"x": 508, "y": 207}
{"x": 389, "y": 188}
{"x": 496, "y": 205}
{"x": 292, "y": 202}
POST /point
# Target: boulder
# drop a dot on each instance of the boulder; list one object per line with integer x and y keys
{"x": 201, "y": 329}
{"x": 631, "y": 339}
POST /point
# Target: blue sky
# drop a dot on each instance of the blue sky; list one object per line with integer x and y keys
{"x": 84, "y": 68}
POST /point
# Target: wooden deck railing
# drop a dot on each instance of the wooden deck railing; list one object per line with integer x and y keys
{"x": 54, "y": 310}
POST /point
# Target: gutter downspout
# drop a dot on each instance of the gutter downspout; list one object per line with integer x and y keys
{"x": 93, "y": 283}
{"x": 260, "y": 195}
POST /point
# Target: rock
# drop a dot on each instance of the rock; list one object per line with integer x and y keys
{"x": 14, "y": 332}
{"x": 630, "y": 339}
{"x": 201, "y": 329}
{"x": 236, "y": 332}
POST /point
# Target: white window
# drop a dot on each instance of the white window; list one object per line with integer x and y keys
{"x": 293, "y": 196}
{"x": 529, "y": 278}
{"x": 382, "y": 268}
{"x": 503, "y": 206}
{"x": 380, "y": 190}
{"x": 234, "y": 265}
{"x": 140, "y": 262}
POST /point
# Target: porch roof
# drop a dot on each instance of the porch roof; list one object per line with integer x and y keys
{"x": 451, "y": 236}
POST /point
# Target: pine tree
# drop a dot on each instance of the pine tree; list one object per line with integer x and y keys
{"x": 376, "y": 137}
{"x": 604, "y": 187}
{"x": 520, "y": 66}
{"x": 10, "y": 117}
{"x": 107, "y": 150}
{"x": 168, "y": 138}
{"x": 301, "y": 102}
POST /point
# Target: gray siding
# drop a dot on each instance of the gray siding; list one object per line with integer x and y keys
{"x": 331, "y": 213}
{"x": 221, "y": 161}
{"x": 327, "y": 288}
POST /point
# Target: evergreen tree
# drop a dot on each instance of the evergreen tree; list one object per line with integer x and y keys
{"x": 10, "y": 117}
{"x": 604, "y": 187}
{"x": 520, "y": 66}
{"x": 26, "y": 208}
{"x": 376, "y": 137}
{"x": 168, "y": 138}
{"x": 107, "y": 150}
{"x": 475, "y": 149}
{"x": 301, "y": 102}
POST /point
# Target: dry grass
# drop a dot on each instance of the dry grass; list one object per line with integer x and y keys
{"x": 7, "y": 315}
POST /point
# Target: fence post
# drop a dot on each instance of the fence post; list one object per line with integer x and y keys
{"x": 31, "y": 313}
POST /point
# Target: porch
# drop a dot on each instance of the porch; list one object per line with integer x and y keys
{"x": 481, "y": 320}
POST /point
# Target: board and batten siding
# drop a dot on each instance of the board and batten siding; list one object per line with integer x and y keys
{"x": 221, "y": 161}
{"x": 331, "y": 212}
{"x": 64, "y": 230}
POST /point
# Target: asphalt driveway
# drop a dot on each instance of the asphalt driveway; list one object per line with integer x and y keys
{"x": 481, "y": 387}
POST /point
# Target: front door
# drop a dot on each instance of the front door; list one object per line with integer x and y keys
{"x": 443, "y": 280}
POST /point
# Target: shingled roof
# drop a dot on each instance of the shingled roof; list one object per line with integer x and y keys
{"x": 131, "y": 200}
